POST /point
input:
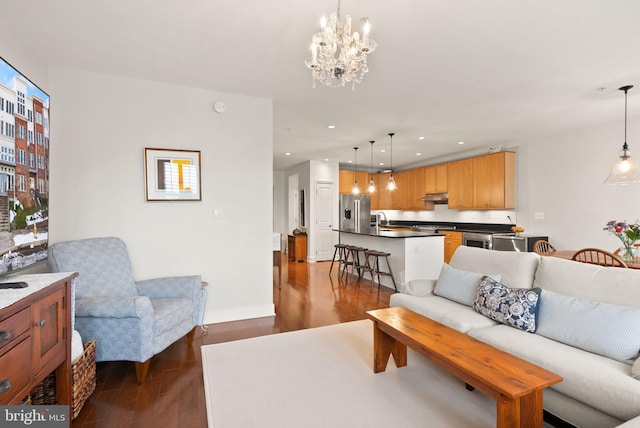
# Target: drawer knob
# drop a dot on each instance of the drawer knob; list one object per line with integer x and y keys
{"x": 5, "y": 385}
{"x": 40, "y": 323}
{"x": 5, "y": 336}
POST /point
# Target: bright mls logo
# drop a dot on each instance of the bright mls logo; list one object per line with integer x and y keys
{"x": 34, "y": 416}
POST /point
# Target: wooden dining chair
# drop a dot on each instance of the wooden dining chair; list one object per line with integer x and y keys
{"x": 597, "y": 256}
{"x": 544, "y": 248}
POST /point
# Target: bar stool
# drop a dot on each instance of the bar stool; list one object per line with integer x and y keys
{"x": 353, "y": 259}
{"x": 374, "y": 268}
{"x": 341, "y": 252}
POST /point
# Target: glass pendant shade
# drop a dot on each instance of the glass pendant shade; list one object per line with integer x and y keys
{"x": 392, "y": 182}
{"x": 372, "y": 186}
{"x": 355, "y": 189}
{"x": 372, "y": 183}
{"x": 625, "y": 169}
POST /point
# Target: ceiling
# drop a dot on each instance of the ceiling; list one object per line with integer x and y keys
{"x": 489, "y": 73}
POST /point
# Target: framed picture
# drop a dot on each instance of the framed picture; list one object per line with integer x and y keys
{"x": 172, "y": 175}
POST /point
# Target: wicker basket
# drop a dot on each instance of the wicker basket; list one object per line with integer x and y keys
{"x": 83, "y": 382}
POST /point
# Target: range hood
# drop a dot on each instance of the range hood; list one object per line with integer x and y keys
{"x": 436, "y": 198}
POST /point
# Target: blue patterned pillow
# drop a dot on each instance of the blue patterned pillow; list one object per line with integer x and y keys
{"x": 515, "y": 307}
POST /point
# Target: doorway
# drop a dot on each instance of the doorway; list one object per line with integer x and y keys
{"x": 324, "y": 207}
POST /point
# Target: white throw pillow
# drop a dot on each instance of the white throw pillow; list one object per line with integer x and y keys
{"x": 459, "y": 285}
{"x": 609, "y": 330}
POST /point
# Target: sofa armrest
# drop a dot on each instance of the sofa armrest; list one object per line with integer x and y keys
{"x": 419, "y": 287}
{"x": 115, "y": 307}
{"x": 188, "y": 287}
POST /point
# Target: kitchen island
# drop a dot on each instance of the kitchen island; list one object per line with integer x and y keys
{"x": 414, "y": 254}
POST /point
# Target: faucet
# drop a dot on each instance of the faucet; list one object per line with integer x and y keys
{"x": 386, "y": 221}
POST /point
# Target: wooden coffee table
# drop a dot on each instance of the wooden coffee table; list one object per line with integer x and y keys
{"x": 515, "y": 384}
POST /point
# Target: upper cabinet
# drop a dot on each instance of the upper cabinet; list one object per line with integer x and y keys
{"x": 494, "y": 181}
{"x": 346, "y": 181}
{"x": 460, "y": 184}
{"x": 484, "y": 182}
{"x": 435, "y": 178}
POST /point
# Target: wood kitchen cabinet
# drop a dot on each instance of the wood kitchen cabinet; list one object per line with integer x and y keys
{"x": 417, "y": 190}
{"x": 494, "y": 181}
{"x": 384, "y": 194}
{"x": 400, "y": 194}
{"x": 297, "y": 247}
{"x": 452, "y": 240}
{"x": 435, "y": 178}
{"x": 460, "y": 184}
{"x": 35, "y": 338}
{"x": 345, "y": 181}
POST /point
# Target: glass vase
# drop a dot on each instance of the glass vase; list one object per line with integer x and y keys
{"x": 628, "y": 253}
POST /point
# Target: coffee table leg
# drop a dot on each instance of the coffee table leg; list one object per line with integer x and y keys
{"x": 385, "y": 345}
{"x": 531, "y": 415}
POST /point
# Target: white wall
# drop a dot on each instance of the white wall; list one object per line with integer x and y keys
{"x": 562, "y": 177}
{"x": 100, "y": 125}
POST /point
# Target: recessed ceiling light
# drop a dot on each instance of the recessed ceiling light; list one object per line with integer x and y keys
{"x": 350, "y": 161}
{"x": 331, "y": 126}
{"x": 381, "y": 163}
{"x": 382, "y": 150}
{"x": 420, "y": 138}
{"x": 460, "y": 142}
{"x": 418, "y": 154}
{"x": 288, "y": 154}
{"x": 326, "y": 160}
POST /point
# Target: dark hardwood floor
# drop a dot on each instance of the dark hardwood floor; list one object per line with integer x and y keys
{"x": 173, "y": 394}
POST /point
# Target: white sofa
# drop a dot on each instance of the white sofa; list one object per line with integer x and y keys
{"x": 596, "y": 391}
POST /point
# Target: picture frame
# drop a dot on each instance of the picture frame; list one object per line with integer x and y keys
{"x": 172, "y": 175}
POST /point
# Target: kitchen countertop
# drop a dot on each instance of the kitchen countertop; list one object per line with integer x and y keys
{"x": 383, "y": 233}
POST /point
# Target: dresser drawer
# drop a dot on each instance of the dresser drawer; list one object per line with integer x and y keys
{"x": 15, "y": 370}
{"x": 13, "y": 327}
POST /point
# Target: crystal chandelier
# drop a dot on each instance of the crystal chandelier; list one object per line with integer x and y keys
{"x": 337, "y": 56}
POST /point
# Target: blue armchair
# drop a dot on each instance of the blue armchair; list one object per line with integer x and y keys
{"x": 129, "y": 320}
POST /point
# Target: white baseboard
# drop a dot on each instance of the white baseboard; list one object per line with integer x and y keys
{"x": 236, "y": 314}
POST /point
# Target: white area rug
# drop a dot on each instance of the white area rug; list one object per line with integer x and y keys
{"x": 323, "y": 377}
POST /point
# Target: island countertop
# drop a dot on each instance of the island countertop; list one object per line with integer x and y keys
{"x": 386, "y": 233}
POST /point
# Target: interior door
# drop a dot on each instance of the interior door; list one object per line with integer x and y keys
{"x": 324, "y": 215}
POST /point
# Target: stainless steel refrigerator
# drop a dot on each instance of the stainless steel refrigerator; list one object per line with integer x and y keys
{"x": 355, "y": 212}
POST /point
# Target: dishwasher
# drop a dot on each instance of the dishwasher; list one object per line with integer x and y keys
{"x": 520, "y": 243}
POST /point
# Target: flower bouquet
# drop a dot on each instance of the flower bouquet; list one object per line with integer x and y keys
{"x": 628, "y": 233}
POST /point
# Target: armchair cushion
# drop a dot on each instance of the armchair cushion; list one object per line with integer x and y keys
{"x": 115, "y": 307}
{"x": 178, "y": 286}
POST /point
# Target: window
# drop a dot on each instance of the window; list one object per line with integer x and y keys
{"x": 21, "y": 106}
{"x": 40, "y": 162}
{"x": 39, "y": 118}
{"x": 22, "y": 132}
{"x": 10, "y": 130}
{"x": 41, "y": 188}
{"x": 22, "y": 183}
{"x": 30, "y": 137}
{"x": 32, "y": 163}
{"x": 30, "y": 115}
{"x": 1, "y": 126}
{"x": 9, "y": 107}
{"x": 22, "y": 157}
{"x": 1, "y": 104}
{"x": 39, "y": 138}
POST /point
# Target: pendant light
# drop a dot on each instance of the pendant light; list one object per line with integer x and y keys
{"x": 625, "y": 169}
{"x": 356, "y": 189}
{"x": 392, "y": 181}
{"x": 372, "y": 184}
